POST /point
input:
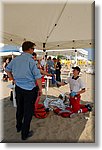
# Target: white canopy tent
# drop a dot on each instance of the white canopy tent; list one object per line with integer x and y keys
{"x": 68, "y": 52}
{"x": 51, "y": 25}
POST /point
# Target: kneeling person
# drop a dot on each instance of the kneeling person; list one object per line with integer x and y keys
{"x": 77, "y": 87}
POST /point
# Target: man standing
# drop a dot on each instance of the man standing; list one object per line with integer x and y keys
{"x": 58, "y": 70}
{"x": 25, "y": 74}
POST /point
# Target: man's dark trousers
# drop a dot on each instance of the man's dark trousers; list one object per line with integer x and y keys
{"x": 25, "y": 109}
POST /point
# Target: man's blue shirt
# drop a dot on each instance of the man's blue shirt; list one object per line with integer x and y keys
{"x": 24, "y": 70}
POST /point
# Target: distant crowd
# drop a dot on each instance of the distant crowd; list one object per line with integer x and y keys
{"x": 49, "y": 66}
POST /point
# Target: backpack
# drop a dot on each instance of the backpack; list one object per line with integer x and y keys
{"x": 39, "y": 109}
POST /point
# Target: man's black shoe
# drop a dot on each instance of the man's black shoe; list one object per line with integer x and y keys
{"x": 30, "y": 134}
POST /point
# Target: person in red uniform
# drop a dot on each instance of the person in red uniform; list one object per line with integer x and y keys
{"x": 77, "y": 87}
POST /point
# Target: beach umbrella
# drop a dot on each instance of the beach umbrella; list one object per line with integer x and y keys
{"x": 7, "y": 50}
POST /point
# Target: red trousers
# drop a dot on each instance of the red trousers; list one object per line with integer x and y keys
{"x": 76, "y": 106}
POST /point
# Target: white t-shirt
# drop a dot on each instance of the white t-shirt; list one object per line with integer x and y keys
{"x": 75, "y": 84}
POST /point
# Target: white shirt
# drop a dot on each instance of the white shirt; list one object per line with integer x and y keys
{"x": 75, "y": 84}
{"x": 42, "y": 62}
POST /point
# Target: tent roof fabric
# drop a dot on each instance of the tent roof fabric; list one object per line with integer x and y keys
{"x": 61, "y": 25}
